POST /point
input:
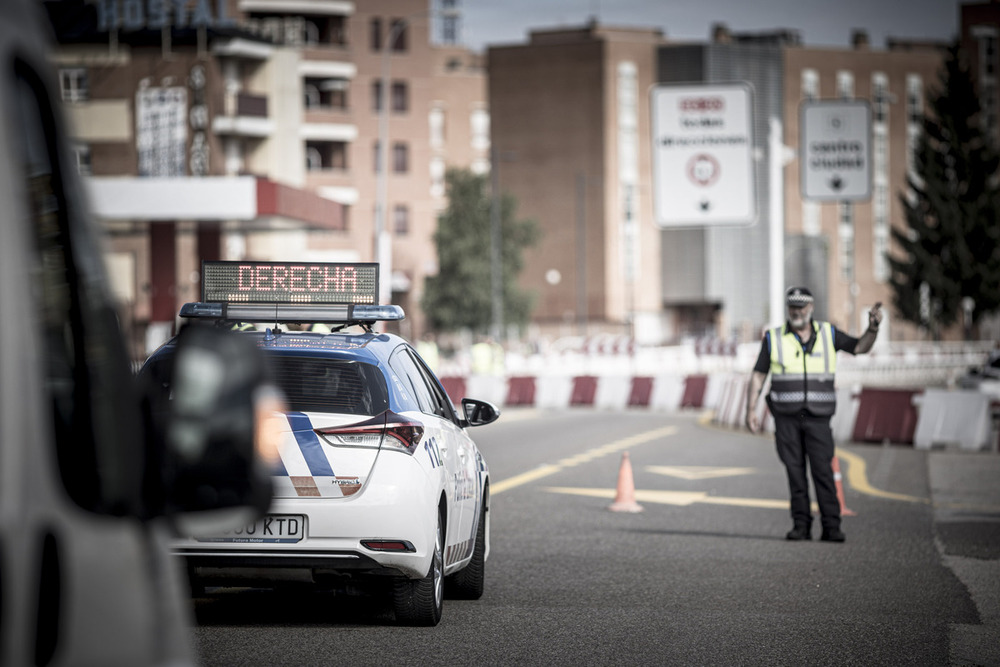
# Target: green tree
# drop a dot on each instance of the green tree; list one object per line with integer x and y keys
{"x": 952, "y": 239}
{"x": 460, "y": 295}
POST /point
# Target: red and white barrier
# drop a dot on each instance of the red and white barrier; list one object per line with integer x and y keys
{"x": 924, "y": 418}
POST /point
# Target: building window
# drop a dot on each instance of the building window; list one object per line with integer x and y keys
{"x": 811, "y": 223}
{"x": 400, "y": 97}
{"x": 401, "y": 219}
{"x": 73, "y": 84}
{"x": 846, "y": 234}
{"x": 437, "y": 128}
{"x": 880, "y": 97}
{"x": 81, "y": 157}
{"x": 438, "y": 169}
{"x": 377, "y": 95}
{"x": 480, "y": 122}
{"x": 400, "y": 158}
{"x": 845, "y": 85}
{"x": 377, "y": 156}
{"x": 314, "y": 159}
{"x": 914, "y": 99}
{"x": 986, "y": 37}
{"x": 399, "y": 41}
{"x": 880, "y": 233}
{"x": 310, "y": 33}
{"x": 810, "y": 84}
{"x": 330, "y": 94}
{"x": 375, "y": 34}
{"x": 880, "y": 155}
{"x": 914, "y": 119}
{"x": 326, "y": 155}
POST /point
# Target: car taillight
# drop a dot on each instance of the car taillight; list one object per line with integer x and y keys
{"x": 388, "y": 429}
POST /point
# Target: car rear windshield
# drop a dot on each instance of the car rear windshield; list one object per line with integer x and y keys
{"x": 314, "y": 384}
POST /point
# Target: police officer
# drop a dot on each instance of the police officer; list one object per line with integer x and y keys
{"x": 801, "y": 356}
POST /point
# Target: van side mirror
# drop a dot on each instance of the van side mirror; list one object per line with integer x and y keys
{"x": 207, "y": 418}
{"x": 479, "y": 413}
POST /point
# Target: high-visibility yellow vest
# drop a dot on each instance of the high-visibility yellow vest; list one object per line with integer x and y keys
{"x": 801, "y": 381}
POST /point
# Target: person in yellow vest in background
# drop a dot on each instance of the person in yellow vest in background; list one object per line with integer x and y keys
{"x": 801, "y": 356}
{"x": 487, "y": 358}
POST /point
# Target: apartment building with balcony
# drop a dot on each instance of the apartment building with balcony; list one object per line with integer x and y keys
{"x": 250, "y": 129}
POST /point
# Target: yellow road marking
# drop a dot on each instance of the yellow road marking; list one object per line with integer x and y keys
{"x": 583, "y": 457}
{"x": 524, "y": 478}
{"x": 699, "y": 472}
{"x": 857, "y": 477}
{"x": 680, "y": 498}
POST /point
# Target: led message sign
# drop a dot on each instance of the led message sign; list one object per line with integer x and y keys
{"x": 289, "y": 282}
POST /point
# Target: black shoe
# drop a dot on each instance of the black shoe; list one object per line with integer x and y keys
{"x": 833, "y": 535}
{"x": 799, "y": 533}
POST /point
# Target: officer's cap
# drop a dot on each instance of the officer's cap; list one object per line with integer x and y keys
{"x": 798, "y": 297}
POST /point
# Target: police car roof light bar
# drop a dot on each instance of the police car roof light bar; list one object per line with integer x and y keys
{"x": 292, "y": 312}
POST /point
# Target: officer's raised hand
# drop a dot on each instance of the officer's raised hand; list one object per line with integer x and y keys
{"x": 875, "y": 316}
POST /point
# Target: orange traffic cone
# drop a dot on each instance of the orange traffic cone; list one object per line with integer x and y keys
{"x": 625, "y": 495}
{"x": 838, "y": 478}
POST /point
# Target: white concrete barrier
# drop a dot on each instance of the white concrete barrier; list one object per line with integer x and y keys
{"x": 668, "y": 391}
{"x": 843, "y": 419}
{"x": 613, "y": 392}
{"x": 953, "y": 418}
{"x": 492, "y": 388}
{"x": 553, "y": 391}
{"x": 713, "y": 390}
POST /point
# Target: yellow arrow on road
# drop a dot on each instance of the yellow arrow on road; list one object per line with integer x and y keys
{"x": 699, "y": 472}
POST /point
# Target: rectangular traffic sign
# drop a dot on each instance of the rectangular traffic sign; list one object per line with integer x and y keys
{"x": 703, "y": 168}
{"x": 836, "y": 150}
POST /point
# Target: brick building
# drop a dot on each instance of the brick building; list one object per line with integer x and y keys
{"x": 557, "y": 108}
{"x": 251, "y": 129}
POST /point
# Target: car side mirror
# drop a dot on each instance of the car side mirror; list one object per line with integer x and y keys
{"x": 479, "y": 413}
{"x": 209, "y": 414}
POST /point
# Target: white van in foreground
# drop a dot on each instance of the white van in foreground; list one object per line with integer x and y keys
{"x": 93, "y": 478}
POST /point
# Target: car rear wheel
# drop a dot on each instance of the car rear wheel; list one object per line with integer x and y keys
{"x": 467, "y": 583}
{"x": 419, "y": 601}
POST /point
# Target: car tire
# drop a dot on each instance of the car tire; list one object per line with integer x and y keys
{"x": 419, "y": 601}
{"x": 467, "y": 583}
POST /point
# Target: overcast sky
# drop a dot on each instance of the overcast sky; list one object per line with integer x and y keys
{"x": 819, "y": 22}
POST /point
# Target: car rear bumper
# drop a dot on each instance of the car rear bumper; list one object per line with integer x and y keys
{"x": 335, "y": 532}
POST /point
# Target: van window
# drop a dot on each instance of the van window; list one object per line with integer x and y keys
{"x": 94, "y": 412}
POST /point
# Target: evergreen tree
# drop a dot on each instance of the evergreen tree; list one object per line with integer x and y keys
{"x": 460, "y": 295}
{"x": 952, "y": 240}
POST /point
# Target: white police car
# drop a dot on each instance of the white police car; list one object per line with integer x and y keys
{"x": 377, "y": 479}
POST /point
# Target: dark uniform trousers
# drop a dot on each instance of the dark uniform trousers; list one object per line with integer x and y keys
{"x": 800, "y": 438}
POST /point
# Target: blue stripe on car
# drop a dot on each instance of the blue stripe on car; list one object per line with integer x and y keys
{"x": 312, "y": 450}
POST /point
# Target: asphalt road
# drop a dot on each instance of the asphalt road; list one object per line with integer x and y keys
{"x": 703, "y": 576}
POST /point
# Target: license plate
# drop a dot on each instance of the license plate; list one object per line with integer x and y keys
{"x": 272, "y": 528}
